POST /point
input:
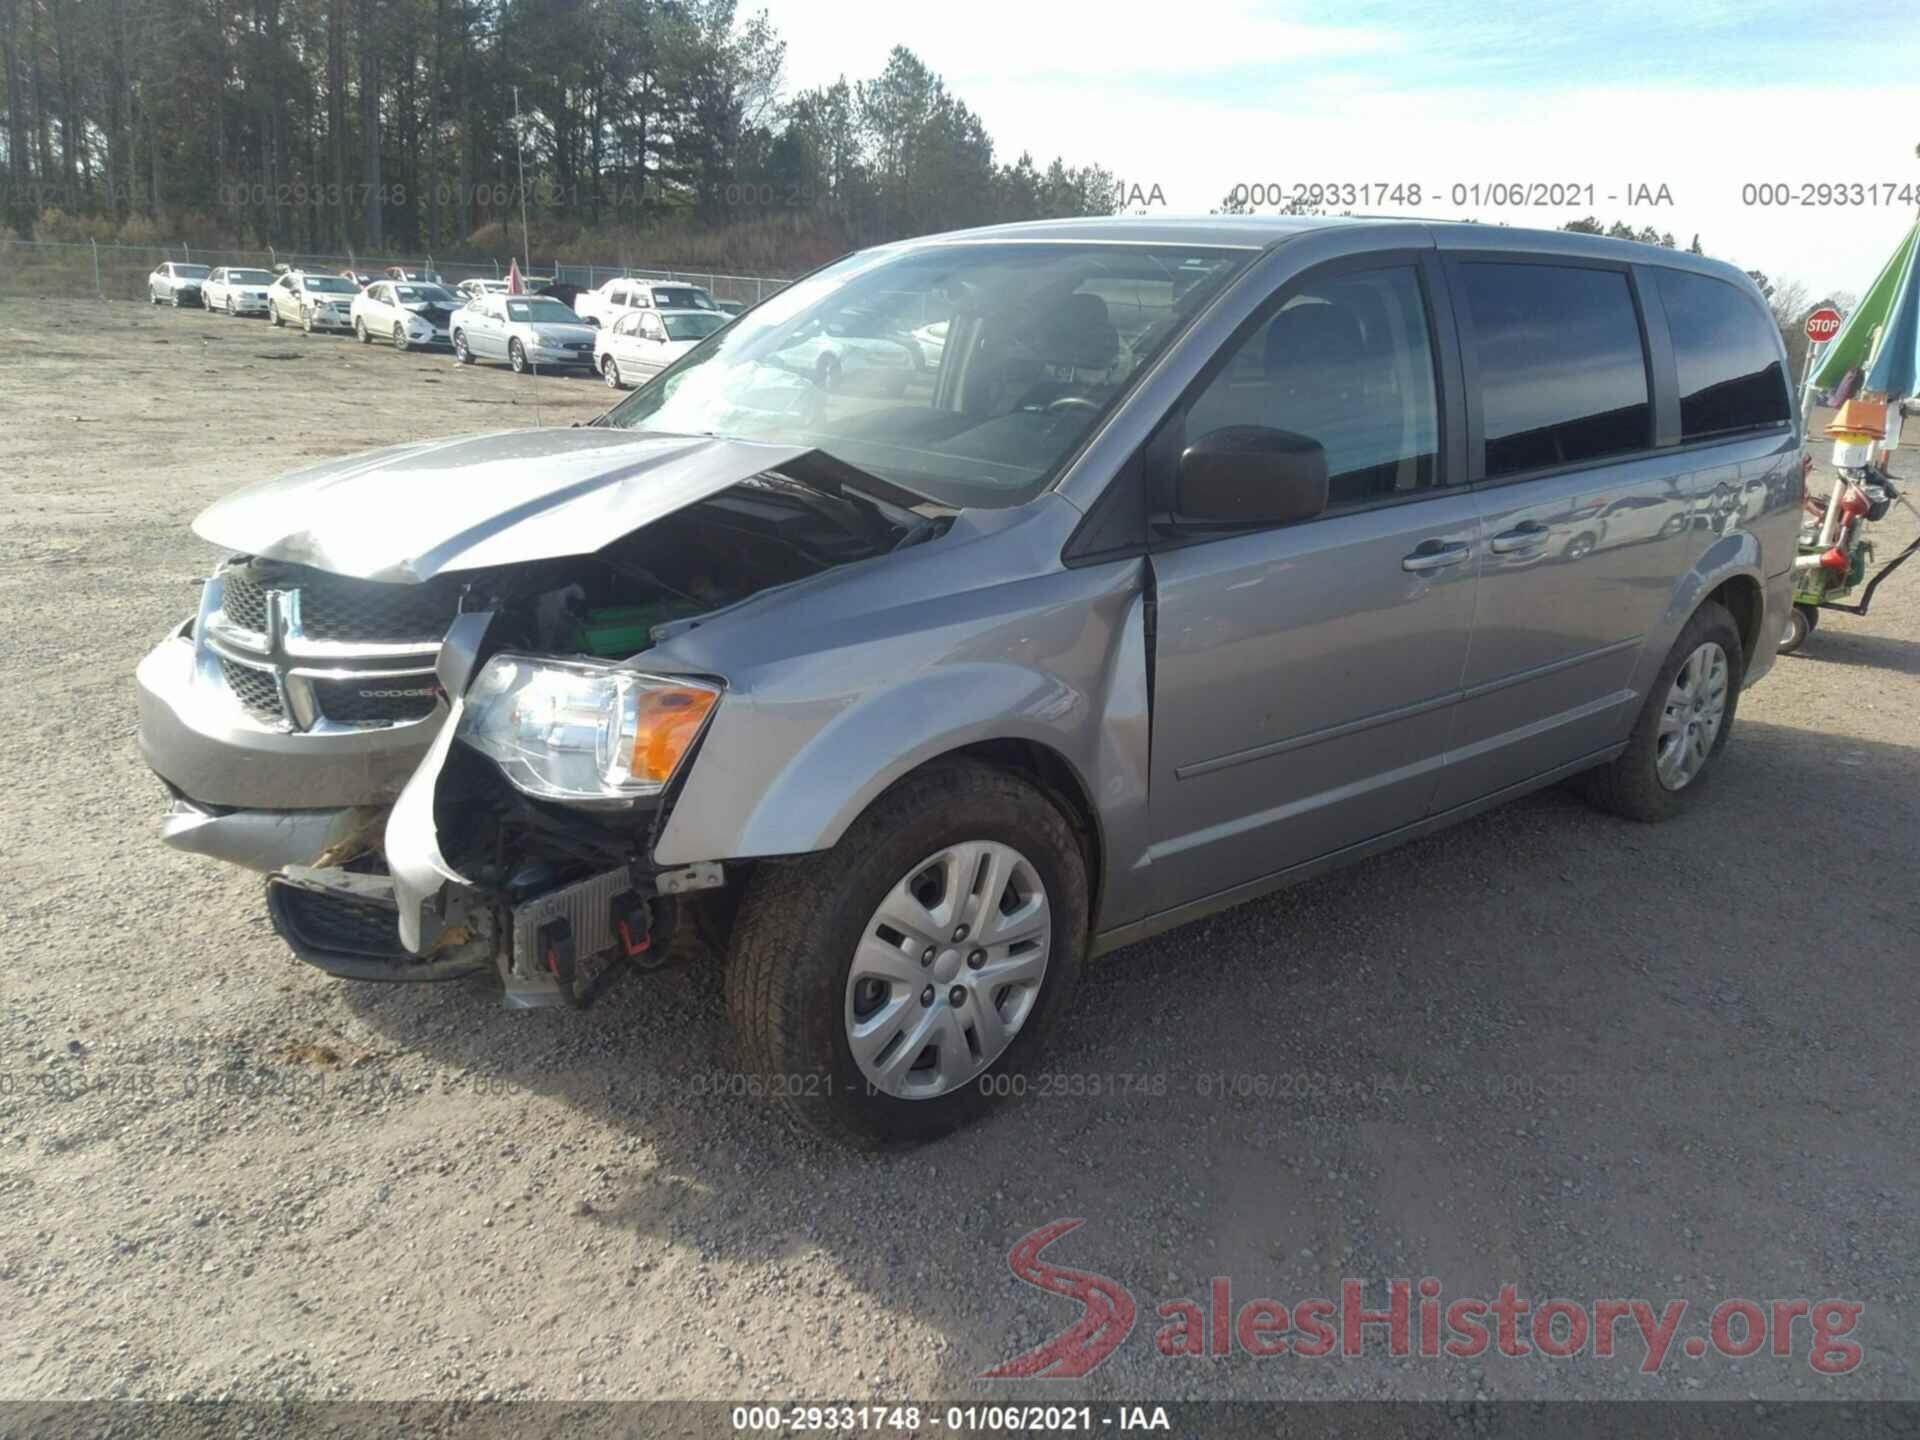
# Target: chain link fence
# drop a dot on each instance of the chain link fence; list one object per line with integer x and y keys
{"x": 119, "y": 272}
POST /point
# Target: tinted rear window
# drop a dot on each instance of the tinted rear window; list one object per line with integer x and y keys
{"x": 1563, "y": 378}
{"x": 1727, "y": 354}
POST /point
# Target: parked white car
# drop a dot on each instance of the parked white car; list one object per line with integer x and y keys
{"x": 408, "y": 314}
{"x": 529, "y": 332}
{"x": 235, "y": 290}
{"x": 175, "y": 284}
{"x": 616, "y": 297}
{"x": 642, "y": 343}
{"x": 474, "y": 289}
{"x": 312, "y": 301}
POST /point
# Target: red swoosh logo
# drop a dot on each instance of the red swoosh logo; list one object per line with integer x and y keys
{"x": 1090, "y": 1339}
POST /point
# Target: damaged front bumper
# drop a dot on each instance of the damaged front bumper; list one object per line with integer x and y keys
{"x": 426, "y": 920}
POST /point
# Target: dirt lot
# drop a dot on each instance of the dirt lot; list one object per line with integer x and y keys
{"x": 1549, "y": 1049}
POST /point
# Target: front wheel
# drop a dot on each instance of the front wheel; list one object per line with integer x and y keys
{"x": 306, "y": 321}
{"x": 1684, "y": 724}
{"x": 517, "y": 357}
{"x": 893, "y": 987}
{"x": 400, "y": 338}
{"x": 610, "y": 372}
{"x": 1802, "y": 620}
{"x": 460, "y": 350}
{"x": 360, "y": 332}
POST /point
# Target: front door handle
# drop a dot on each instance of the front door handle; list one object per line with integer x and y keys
{"x": 1435, "y": 555}
{"x": 1526, "y": 536}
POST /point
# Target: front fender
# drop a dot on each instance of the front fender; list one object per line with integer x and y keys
{"x": 785, "y": 773}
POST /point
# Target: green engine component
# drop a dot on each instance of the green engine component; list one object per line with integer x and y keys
{"x": 614, "y": 632}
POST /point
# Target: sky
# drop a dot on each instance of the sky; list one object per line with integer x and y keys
{"x": 1703, "y": 99}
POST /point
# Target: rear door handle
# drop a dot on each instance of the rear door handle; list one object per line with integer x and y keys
{"x": 1433, "y": 555}
{"x": 1526, "y": 536}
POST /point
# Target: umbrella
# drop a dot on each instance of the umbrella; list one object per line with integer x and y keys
{"x": 1882, "y": 335}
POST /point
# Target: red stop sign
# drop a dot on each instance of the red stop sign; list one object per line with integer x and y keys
{"x": 1823, "y": 324}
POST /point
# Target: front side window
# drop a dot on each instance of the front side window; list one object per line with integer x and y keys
{"x": 1042, "y": 340}
{"x": 1346, "y": 362}
{"x": 1563, "y": 375}
{"x": 1727, "y": 354}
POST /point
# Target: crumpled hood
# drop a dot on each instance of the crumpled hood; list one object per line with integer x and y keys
{"x": 411, "y": 512}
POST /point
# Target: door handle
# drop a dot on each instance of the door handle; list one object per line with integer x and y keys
{"x": 1525, "y": 536}
{"x": 1437, "y": 558}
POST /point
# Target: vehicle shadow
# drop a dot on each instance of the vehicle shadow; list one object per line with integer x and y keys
{"x": 1534, "y": 1035}
{"x": 1834, "y": 644}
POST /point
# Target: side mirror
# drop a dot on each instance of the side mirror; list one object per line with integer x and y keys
{"x": 1250, "y": 475}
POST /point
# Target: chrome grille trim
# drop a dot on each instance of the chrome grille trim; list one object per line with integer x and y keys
{"x": 226, "y": 636}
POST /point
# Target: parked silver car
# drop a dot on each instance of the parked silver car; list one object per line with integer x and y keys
{"x": 529, "y": 332}
{"x": 312, "y": 300}
{"x": 1206, "y": 556}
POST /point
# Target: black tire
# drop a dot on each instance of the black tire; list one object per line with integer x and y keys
{"x": 1630, "y": 785}
{"x": 231, "y": 312}
{"x": 801, "y": 920}
{"x": 360, "y": 332}
{"x": 1802, "y": 621}
{"x": 306, "y": 321}
{"x": 273, "y": 314}
{"x": 517, "y": 357}
{"x": 460, "y": 351}
{"x": 610, "y": 372}
{"x": 400, "y": 338}
{"x": 176, "y": 299}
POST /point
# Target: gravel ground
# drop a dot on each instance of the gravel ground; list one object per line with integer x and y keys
{"x": 1546, "y": 1048}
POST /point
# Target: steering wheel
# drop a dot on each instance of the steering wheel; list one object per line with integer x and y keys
{"x": 1067, "y": 402}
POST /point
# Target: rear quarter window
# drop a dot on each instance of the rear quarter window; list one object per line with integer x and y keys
{"x": 1563, "y": 374}
{"x": 1727, "y": 357}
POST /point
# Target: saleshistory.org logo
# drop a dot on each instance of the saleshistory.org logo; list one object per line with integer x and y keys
{"x": 1414, "y": 1320}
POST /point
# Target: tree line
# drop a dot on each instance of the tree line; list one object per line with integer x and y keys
{"x": 408, "y": 125}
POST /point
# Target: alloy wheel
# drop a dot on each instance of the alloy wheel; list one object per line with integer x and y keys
{"x": 948, "y": 970}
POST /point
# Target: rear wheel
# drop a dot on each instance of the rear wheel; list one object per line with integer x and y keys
{"x": 891, "y": 987}
{"x": 1802, "y": 621}
{"x": 1685, "y": 723}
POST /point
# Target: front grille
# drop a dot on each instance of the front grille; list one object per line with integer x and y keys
{"x": 336, "y": 607}
{"x": 371, "y": 630}
{"x": 244, "y": 599}
{"x": 368, "y": 699}
{"x": 255, "y": 689}
{"x": 333, "y": 607}
{"x": 436, "y": 315}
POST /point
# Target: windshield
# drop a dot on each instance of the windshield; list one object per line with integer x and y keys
{"x": 249, "y": 277}
{"x": 191, "y": 272}
{"x": 692, "y": 327}
{"x": 681, "y": 297}
{"x": 332, "y": 285}
{"x": 417, "y": 294}
{"x": 1039, "y": 341}
{"x": 541, "y": 312}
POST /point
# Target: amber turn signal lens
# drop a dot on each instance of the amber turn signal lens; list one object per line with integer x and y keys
{"x": 668, "y": 720}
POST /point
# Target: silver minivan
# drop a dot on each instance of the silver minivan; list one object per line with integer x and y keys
{"x": 1202, "y": 556}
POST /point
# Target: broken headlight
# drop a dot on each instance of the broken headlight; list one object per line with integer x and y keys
{"x": 586, "y": 734}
